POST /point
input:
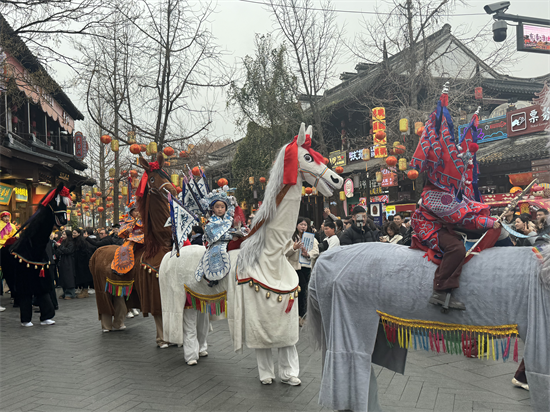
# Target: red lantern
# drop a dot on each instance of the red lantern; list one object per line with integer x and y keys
{"x": 183, "y": 153}
{"x": 419, "y": 131}
{"x": 168, "y": 151}
{"x": 399, "y": 149}
{"x": 86, "y": 207}
{"x": 196, "y": 171}
{"x": 135, "y": 149}
{"x": 106, "y": 139}
{"x": 263, "y": 180}
{"x": 412, "y": 174}
{"x": 93, "y": 199}
{"x": 339, "y": 170}
{"x": 380, "y": 135}
{"x": 325, "y": 160}
{"x": 79, "y": 214}
{"x": 134, "y": 173}
{"x": 222, "y": 182}
{"x": 391, "y": 161}
{"x": 100, "y": 209}
{"x": 98, "y": 194}
{"x": 109, "y": 198}
{"x": 143, "y": 148}
{"x": 119, "y": 197}
{"x": 309, "y": 190}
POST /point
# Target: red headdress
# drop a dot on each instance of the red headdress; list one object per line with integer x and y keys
{"x": 291, "y": 159}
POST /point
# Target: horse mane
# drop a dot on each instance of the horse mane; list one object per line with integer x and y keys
{"x": 253, "y": 246}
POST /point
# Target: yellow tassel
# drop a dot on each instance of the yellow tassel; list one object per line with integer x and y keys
{"x": 488, "y": 347}
{"x": 493, "y": 344}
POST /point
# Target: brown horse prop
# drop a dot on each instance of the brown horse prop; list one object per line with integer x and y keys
{"x": 139, "y": 288}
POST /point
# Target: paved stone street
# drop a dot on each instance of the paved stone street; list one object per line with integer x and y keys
{"x": 73, "y": 366}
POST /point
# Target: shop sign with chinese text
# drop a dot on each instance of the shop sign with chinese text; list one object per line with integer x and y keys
{"x": 360, "y": 155}
{"x": 21, "y": 194}
{"x": 337, "y": 158}
{"x": 388, "y": 178}
{"x": 528, "y": 120}
{"x": 80, "y": 145}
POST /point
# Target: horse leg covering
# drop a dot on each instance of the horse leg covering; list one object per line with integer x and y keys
{"x": 289, "y": 363}
{"x": 158, "y": 324}
{"x": 203, "y": 327}
{"x": 266, "y": 369}
{"x": 120, "y": 311}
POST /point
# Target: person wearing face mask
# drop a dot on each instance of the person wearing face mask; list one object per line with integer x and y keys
{"x": 361, "y": 229}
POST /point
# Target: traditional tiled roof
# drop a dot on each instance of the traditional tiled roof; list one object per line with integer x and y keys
{"x": 513, "y": 149}
{"x": 19, "y": 50}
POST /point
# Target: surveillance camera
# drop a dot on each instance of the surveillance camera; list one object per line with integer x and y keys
{"x": 501, "y": 6}
{"x": 499, "y": 31}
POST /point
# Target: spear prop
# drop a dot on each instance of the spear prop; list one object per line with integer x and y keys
{"x": 511, "y": 206}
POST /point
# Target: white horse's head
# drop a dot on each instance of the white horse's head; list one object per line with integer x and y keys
{"x": 312, "y": 168}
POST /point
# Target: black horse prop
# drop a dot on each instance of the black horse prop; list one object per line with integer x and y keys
{"x": 24, "y": 260}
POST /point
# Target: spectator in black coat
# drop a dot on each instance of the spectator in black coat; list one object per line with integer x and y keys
{"x": 104, "y": 239}
{"x": 398, "y": 219}
{"x": 83, "y": 252}
{"x": 361, "y": 230}
{"x": 196, "y": 235}
{"x": 114, "y": 235}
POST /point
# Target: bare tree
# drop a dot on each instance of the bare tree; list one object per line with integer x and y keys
{"x": 315, "y": 42}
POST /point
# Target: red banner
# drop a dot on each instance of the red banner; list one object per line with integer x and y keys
{"x": 388, "y": 178}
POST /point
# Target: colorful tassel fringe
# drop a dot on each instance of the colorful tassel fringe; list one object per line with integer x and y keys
{"x": 472, "y": 341}
{"x": 211, "y": 304}
{"x": 119, "y": 288}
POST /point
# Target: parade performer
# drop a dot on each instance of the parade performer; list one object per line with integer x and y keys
{"x": 7, "y": 229}
{"x": 215, "y": 263}
{"x": 450, "y": 199}
{"x": 132, "y": 233}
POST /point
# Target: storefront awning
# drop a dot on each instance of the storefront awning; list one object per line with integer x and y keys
{"x": 362, "y": 165}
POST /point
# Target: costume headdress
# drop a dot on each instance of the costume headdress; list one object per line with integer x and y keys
{"x": 218, "y": 195}
{"x": 447, "y": 164}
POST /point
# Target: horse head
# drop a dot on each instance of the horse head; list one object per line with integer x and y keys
{"x": 153, "y": 204}
{"x": 58, "y": 200}
{"x": 311, "y": 166}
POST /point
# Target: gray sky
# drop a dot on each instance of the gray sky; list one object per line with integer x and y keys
{"x": 235, "y": 23}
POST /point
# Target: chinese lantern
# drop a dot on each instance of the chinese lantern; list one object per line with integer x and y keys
{"x": 515, "y": 189}
{"x": 178, "y": 189}
{"x": 131, "y": 137}
{"x": 379, "y": 177}
{"x": 114, "y": 145}
{"x": 380, "y": 135}
{"x": 314, "y": 191}
{"x": 168, "y": 151}
{"x": 93, "y": 199}
{"x": 175, "y": 179}
{"x": 152, "y": 148}
{"x": 417, "y": 127}
{"x": 100, "y": 209}
{"x": 105, "y": 139}
{"x": 183, "y": 153}
{"x": 262, "y": 180}
{"x": 79, "y": 214}
{"x": 112, "y": 172}
{"x": 196, "y": 171}
{"x": 342, "y": 196}
{"x": 143, "y": 147}
{"x": 87, "y": 197}
{"x": 309, "y": 190}
{"x": 97, "y": 202}
{"x": 109, "y": 198}
{"x": 119, "y": 197}
{"x": 166, "y": 163}
{"x": 94, "y": 189}
{"x": 135, "y": 182}
{"x": 251, "y": 180}
{"x": 399, "y": 149}
{"x": 403, "y": 125}
{"x": 124, "y": 191}
{"x": 412, "y": 174}
{"x": 135, "y": 149}
{"x": 86, "y": 207}
{"x": 221, "y": 182}
{"x": 366, "y": 154}
{"x": 339, "y": 170}
{"x": 391, "y": 161}
{"x": 133, "y": 173}
{"x": 402, "y": 164}
{"x": 98, "y": 194}
{"x": 325, "y": 160}
{"x": 111, "y": 187}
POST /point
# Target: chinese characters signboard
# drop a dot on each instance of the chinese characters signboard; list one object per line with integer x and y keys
{"x": 337, "y": 158}
{"x": 528, "y": 120}
{"x": 532, "y": 38}
{"x": 379, "y": 124}
{"x": 360, "y": 155}
{"x": 21, "y": 193}
{"x": 388, "y": 178}
{"x": 489, "y": 129}
{"x": 80, "y": 145}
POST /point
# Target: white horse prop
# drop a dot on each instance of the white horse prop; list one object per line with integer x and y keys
{"x": 262, "y": 263}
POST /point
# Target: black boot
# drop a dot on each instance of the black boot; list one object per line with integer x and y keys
{"x": 441, "y": 298}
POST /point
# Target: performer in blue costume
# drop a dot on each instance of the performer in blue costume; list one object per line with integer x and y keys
{"x": 215, "y": 264}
